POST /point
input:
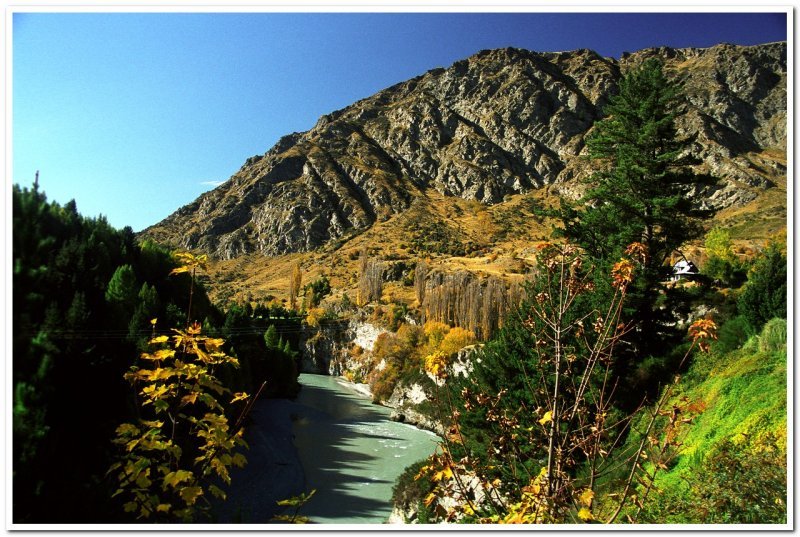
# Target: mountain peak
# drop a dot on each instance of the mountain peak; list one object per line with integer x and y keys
{"x": 501, "y": 122}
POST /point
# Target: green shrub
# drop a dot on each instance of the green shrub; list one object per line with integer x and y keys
{"x": 732, "y": 335}
{"x": 734, "y": 484}
{"x": 317, "y": 290}
{"x": 773, "y": 336}
{"x": 409, "y": 491}
{"x": 732, "y": 463}
{"x": 764, "y": 296}
{"x": 729, "y": 273}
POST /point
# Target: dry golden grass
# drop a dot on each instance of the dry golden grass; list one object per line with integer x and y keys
{"x": 508, "y": 253}
{"x": 753, "y": 224}
{"x": 264, "y": 278}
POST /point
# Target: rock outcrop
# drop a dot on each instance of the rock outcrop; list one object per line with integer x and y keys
{"x": 407, "y": 400}
{"x": 328, "y": 348}
{"x": 500, "y": 122}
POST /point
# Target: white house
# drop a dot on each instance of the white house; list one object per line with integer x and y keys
{"x": 684, "y": 269}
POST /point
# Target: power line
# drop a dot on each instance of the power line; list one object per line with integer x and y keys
{"x": 120, "y": 334}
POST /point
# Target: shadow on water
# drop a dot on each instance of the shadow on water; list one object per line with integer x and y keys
{"x": 346, "y": 449}
{"x": 351, "y": 453}
{"x": 273, "y": 471}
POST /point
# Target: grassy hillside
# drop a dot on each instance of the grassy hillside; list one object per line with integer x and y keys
{"x": 732, "y": 466}
{"x": 451, "y": 233}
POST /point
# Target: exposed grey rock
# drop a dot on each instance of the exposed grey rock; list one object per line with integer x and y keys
{"x": 326, "y": 349}
{"x": 406, "y": 398}
{"x": 500, "y": 122}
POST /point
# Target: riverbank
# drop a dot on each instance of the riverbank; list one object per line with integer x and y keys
{"x": 359, "y": 388}
{"x": 273, "y": 471}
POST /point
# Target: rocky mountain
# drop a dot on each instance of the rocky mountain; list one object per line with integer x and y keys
{"x": 498, "y": 123}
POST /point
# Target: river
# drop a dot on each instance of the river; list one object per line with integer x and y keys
{"x": 332, "y": 439}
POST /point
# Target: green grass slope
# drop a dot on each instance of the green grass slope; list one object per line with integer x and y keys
{"x": 732, "y": 462}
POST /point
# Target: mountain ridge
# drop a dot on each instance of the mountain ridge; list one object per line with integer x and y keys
{"x": 499, "y": 123}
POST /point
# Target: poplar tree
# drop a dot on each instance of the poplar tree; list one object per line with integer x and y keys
{"x": 295, "y": 282}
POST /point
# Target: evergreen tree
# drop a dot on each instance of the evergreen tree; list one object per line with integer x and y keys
{"x": 271, "y": 337}
{"x": 638, "y": 195}
{"x": 122, "y": 288}
{"x": 764, "y": 297}
{"x": 75, "y": 289}
{"x": 78, "y": 313}
{"x": 148, "y": 308}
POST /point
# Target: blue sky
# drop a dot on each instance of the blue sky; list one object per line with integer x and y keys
{"x": 134, "y": 115}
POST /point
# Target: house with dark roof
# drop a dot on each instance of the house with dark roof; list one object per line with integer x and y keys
{"x": 684, "y": 270}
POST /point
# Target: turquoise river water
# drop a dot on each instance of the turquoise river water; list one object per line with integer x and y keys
{"x": 351, "y": 452}
{"x": 332, "y": 439}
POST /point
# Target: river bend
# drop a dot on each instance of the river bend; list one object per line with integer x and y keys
{"x": 332, "y": 439}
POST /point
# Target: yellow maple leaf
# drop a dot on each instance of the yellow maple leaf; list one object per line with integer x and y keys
{"x": 547, "y": 418}
{"x": 444, "y": 473}
{"x": 586, "y": 497}
{"x": 240, "y": 396}
{"x": 190, "y": 494}
{"x": 585, "y": 514}
{"x": 163, "y": 354}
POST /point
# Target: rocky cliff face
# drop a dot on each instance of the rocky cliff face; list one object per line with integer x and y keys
{"x": 327, "y": 349}
{"x": 500, "y": 122}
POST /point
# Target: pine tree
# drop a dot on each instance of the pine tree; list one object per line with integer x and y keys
{"x": 638, "y": 194}
{"x": 122, "y": 288}
{"x": 271, "y": 337}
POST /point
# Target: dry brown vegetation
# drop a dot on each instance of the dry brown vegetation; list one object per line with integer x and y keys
{"x": 500, "y": 241}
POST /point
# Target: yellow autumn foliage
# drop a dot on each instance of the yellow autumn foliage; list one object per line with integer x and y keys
{"x": 456, "y": 339}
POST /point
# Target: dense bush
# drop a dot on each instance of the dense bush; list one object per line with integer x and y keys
{"x": 400, "y": 356}
{"x": 764, "y": 296}
{"x": 411, "y": 489}
{"x": 733, "y": 334}
{"x": 731, "y": 466}
{"x": 731, "y": 273}
{"x": 263, "y": 339}
{"x": 736, "y": 483}
{"x": 316, "y": 291}
{"x": 391, "y": 356}
{"x": 723, "y": 265}
{"x": 773, "y": 336}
